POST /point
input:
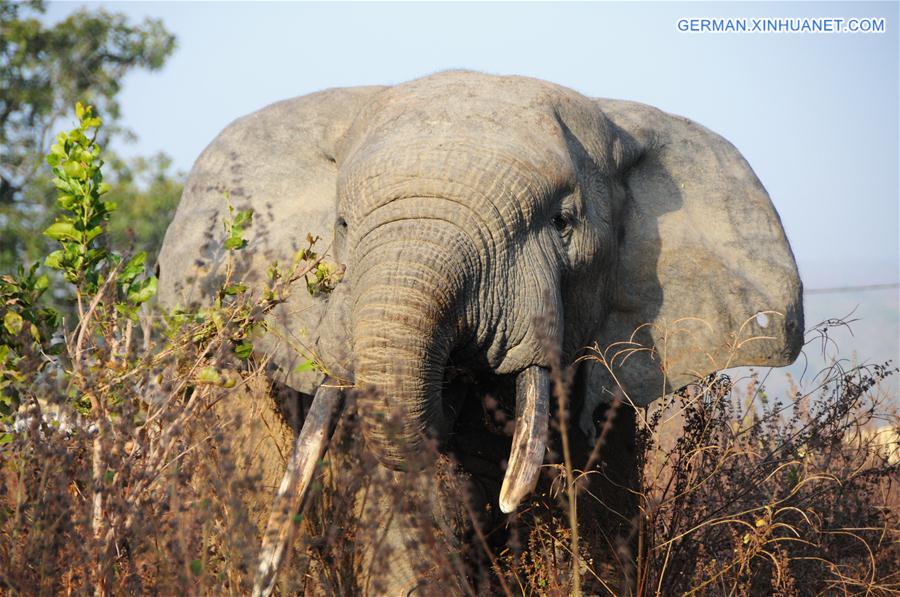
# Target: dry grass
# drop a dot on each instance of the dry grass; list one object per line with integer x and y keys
{"x": 736, "y": 493}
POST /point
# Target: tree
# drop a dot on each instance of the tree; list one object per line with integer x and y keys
{"x": 46, "y": 70}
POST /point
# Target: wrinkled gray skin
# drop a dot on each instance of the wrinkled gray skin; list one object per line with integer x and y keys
{"x": 490, "y": 222}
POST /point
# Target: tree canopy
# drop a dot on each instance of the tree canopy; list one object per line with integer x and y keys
{"x": 44, "y": 70}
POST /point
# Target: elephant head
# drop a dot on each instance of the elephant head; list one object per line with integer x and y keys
{"x": 501, "y": 224}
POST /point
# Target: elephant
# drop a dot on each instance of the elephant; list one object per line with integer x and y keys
{"x": 497, "y": 224}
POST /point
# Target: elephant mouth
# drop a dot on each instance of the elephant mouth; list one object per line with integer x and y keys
{"x": 488, "y": 408}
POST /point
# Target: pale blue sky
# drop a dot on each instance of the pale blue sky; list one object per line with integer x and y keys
{"x": 816, "y": 115}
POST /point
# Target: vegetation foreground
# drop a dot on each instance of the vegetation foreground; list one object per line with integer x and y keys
{"x": 126, "y": 471}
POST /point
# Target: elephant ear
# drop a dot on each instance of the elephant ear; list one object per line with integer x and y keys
{"x": 706, "y": 278}
{"x": 280, "y": 163}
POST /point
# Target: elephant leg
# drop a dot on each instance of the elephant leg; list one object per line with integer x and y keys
{"x": 259, "y": 422}
{"x": 412, "y": 524}
{"x": 396, "y": 533}
{"x": 259, "y": 438}
{"x": 608, "y": 506}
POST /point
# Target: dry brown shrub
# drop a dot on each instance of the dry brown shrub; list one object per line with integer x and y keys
{"x": 164, "y": 485}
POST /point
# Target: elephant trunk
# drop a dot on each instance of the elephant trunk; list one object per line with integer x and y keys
{"x": 406, "y": 320}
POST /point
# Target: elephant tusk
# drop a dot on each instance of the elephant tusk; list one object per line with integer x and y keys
{"x": 309, "y": 447}
{"x": 530, "y": 437}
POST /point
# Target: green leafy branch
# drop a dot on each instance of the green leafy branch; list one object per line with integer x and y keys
{"x": 323, "y": 277}
{"x": 79, "y": 229}
{"x": 75, "y": 162}
{"x": 235, "y": 227}
{"x": 26, "y": 330}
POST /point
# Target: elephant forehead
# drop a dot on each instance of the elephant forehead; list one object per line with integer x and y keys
{"x": 478, "y": 164}
{"x": 503, "y": 113}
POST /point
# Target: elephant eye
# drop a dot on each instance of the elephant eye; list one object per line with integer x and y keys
{"x": 562, "y": 222}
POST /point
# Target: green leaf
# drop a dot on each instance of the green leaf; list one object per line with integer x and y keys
{"x": 235, "y": 242}
{"x": 63, "y": 231}
{"x": 73, "y": 169}
{"x": 4, "y": 353}
{"x": 5, "y": 438}
{"x": 242, "y": 218}
{"x": 196, "y": 567}
{"x": 94, "y": 255}
{"x": 134, "y": 267}
{"x": 131, "y": 312}
{"x": 144, "y": 291}
{"x": 62, "y": 185}
{"x": 235, "y": 289}
{"x": 42, "y": 283}
{"x": 76, "y": 187}
{"x": 93, "y": 233}
{"x": 55, "y": 260}
{"x": 13, "y": 322}
{"x": 243, "y": 349}
{"x": 308, "y": 365}
{"x": 67, "y": 201}
{"x": 209, "y": 375}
